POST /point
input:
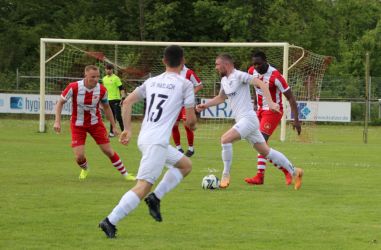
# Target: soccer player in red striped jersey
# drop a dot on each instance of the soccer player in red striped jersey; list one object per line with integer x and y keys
{"x": 86, "y": 96}
{"x": 269, "y": 120}
{"x": 197, "y": 84}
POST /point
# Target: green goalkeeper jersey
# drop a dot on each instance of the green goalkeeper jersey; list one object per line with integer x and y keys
{"x": 112, "y": 84}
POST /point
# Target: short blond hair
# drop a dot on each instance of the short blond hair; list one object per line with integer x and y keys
{"x": 91, "y": 67}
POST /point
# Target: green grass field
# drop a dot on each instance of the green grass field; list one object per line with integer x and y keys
{"x": 43, "y": 205}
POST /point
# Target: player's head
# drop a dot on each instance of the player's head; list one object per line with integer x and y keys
{"x": 260, "y": 64}
{"x": 173, "y": 56}
{"x": 91, "y": 76}
{"x": 109, "y": 68}
{"x": 224, "y": 64}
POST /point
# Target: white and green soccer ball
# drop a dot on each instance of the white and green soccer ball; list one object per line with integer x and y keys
{"x": 210, "y": 182}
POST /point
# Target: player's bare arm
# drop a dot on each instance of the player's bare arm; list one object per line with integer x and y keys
{"x": 191, "y": 118}
{"x": 255, "y": 102}
{"x": 123, "y": 94}
{"x": 220, "y": 98}
{"x": 294, "y": 109}
{"x": 266, "y": 93}
{"x": 198, "y": 88}
{"x": 126, "y": 115}
{"x": 57, "y": 121}
{"x": 110, "y": 117}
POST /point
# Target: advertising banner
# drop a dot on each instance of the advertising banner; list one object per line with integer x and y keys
{"x": 308, "y": 111}
{"x": 30, "y": 104}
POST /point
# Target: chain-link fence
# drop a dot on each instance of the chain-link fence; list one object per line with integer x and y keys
{"x": 352, "y": 89}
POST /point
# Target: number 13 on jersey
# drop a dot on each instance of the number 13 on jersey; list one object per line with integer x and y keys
{"x": 155, "y": 108}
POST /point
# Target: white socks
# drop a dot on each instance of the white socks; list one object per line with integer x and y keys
{"x": 170, "y": 180}
{"x": 227, "y": 156}
{"x": 128, "y": 203}
{"x": 281, "y": 160}
{"x": 130, "y": 200}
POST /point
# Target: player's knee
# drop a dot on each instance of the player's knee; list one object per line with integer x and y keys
{"x": 187, "y": 169}
{"x": 108, "y": 151}
{"x": 142, "y": 188}
{"x": 225, "y": 140}
{"x": 262, "y": 149}
{"x": 185, "y": 166}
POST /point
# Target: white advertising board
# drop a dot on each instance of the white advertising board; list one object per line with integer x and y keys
{"x": 322, "y": 111}
{"x": 30, "y": 104}
{"x": 308, "y": 111}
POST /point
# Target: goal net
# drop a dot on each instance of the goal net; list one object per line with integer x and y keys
{"x": 63, "y": 61}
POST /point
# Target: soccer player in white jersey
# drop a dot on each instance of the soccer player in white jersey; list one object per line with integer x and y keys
{"x": 165, "y": 95}
{"x": 235, "y": 86}
{"x": 86, "y": 96}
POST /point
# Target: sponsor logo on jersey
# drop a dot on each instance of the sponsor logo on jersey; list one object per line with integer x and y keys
{"x": 267, "y": 126}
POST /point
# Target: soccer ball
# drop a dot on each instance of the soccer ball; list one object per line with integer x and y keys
{"x": 210, "y": 182}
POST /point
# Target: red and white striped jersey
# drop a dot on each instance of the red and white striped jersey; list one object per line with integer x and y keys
{"x": 191, "y": 76}
{"x": 277, "y": 85}
{"x": 85, "y": 102}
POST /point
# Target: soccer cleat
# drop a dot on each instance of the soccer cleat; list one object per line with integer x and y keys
{"x": 225, "y": 181}
{"x": 108, "y": 228}
{"x": 83, "y": 174}
{"x": 258, "y": 179}
{"x": 181, "y": 150}
{"x": 189, "y": 153}
{"x": 130, "y": 177}
{"x": 111, "y": 135}
{"x": 153, "y": 206}
{"x": 298, "y": 178}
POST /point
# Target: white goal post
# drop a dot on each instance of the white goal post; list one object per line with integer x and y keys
{"x": 285, "y": 64}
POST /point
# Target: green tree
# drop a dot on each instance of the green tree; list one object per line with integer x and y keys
{"x": 91, "y": 28}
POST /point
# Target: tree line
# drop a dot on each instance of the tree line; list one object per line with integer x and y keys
{"x": 343, "y": 29}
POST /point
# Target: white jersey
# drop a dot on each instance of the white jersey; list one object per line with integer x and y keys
{"x": 237, "y": 88}
{"x": 165, "y": 95}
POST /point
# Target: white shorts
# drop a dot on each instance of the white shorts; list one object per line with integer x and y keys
{"x": 248, "y": 128}
{"x": 154, "y": 157}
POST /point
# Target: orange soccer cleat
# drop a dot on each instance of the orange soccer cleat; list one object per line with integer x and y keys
{"x": 225, "y": 181}
{"x": 298, "y": 178}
